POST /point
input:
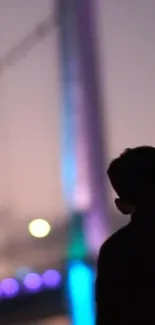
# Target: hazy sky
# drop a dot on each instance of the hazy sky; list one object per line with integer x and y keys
{"x": 126, "y": 30}
{"x": 30, "y": 115}
{"x": 30, "y": 98}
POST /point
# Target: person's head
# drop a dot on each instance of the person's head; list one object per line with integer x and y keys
{"x": 132, "y": 176}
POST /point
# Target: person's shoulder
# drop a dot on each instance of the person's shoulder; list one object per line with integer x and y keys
{"x": 115, "y": 243}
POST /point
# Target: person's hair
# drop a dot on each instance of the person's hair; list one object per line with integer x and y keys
{"x": 133, "y": 173}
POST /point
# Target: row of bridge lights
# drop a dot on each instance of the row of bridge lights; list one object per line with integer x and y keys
{"x": 31, "y": 282}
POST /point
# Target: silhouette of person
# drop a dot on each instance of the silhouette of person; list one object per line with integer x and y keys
{"x": 125, "y": 284}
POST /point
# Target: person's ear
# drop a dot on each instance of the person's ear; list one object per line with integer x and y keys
{"x": 123, "y": 207}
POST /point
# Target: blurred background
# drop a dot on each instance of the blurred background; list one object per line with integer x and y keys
{"x": 76, "y": 89}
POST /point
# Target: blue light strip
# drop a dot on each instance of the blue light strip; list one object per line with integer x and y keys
{"x": 68, "y": 108}
{"x": 81, "y": 294}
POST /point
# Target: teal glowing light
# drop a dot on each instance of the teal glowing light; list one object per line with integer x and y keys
{"x": 81, "y": 293}
{"x": 77, "y": 248}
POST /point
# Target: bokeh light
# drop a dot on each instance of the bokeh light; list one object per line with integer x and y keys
{"x": 1, "y": 292}
{"x": 39, "y": 228}
{"x": 10, "y": 287}
{"x": 22, "y": 272}
{"x": 33, "y": 281}
{"x": 51, "y": 278}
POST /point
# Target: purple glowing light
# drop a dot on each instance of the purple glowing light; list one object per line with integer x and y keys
{"x": 1, "y": 292}
{"x": 96, "y": 232}
{"x": 33, "y": 281}
{"x": 10, "y": 287}
{"x": 51, "y": 278}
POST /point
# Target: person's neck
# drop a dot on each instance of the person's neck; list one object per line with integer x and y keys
{"x": 144, "y": 213}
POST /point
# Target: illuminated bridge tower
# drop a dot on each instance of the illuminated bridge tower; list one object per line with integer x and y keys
{"x": 83, "y": 159}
